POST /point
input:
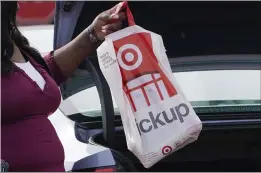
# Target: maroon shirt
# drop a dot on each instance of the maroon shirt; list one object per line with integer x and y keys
{"x": 28, "y": 140}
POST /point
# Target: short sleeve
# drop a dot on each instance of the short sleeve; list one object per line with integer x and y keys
{"x": 54, "y": 68}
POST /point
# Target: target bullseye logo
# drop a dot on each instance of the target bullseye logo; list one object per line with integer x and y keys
{"x": 129, "y": 57}
{"x": 166, "y": 150}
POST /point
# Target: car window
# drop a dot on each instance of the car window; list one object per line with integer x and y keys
{"x": 218, "y": 88}
{"x": 78, "y": 96}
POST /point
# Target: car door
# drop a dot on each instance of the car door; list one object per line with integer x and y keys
{"x": 204, "y": 45}
{"x": 87, "y": 81}
{"x": 77, "y": 157}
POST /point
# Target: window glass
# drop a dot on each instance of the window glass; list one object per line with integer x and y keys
{"x": 202, "y": 88}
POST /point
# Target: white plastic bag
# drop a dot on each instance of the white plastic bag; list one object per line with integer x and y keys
{"x": 156, "y": 116}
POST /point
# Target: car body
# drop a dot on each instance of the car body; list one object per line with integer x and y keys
{"x": 220, "y": 75}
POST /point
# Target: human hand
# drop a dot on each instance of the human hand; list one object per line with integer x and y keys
{"x": 108, "y": 22}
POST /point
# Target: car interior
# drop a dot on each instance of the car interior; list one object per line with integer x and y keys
{"x": 230, "y": 140}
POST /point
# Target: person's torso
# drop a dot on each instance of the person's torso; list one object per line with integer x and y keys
{"x": 22, "y": 97}
{"x": 28, "y": 139}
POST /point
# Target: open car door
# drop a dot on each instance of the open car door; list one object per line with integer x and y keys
{"x": 84, "y": 81}
{"x": 214, "y": 49}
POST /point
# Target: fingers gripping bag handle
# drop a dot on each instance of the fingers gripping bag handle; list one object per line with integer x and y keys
{"x": 123, "y": 6}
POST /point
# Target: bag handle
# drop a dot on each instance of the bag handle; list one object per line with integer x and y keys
{"x": 124, "y": 6}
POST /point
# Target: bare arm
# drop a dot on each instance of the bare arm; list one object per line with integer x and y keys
{"x": 70, "y": 56}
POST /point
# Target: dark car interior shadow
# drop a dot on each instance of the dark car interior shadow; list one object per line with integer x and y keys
{"x": 190, "y": 29}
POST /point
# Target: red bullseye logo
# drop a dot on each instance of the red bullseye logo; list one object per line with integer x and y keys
{"x": 129, "y": 57}
{"x": 166, "y": 150}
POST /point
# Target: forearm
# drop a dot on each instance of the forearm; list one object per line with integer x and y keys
{"x": 71, "y": 55}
